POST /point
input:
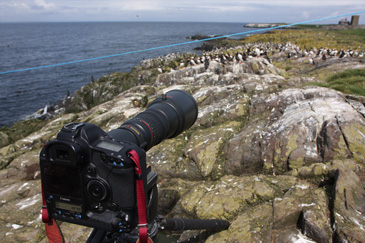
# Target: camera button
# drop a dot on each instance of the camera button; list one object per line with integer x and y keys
{"x": 91, "y": 170}
{"x": 49, "y": 199}
{"x": 112, "y": 206}
{"x": 95, "y": 206}
{"x": 117, "y": 224}
{"x": 103, "y": 157}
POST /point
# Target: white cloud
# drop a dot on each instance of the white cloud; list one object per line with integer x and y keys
{"x": 21, "y": 5}
{"x": 179, "y": 10}
{"x": 43, "y": 4}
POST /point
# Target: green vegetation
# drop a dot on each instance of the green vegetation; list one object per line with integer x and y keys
{"x": 100, "y": 91}
{"x": 309, "y": 26}
{"x": 350, "y": 37}
{"x": 309, "y": 38}
{"x": 306, "y": 37}
{"x": 351, "y": 81}
{"x": 19, "y": 130}
{"x": 108, "y": 86}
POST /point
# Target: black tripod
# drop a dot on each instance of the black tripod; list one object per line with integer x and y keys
{"x": 173, "y": 224}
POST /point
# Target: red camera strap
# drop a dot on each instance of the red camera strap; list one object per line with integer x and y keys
{"x": 141, "y": 201}
{"x": 53, "y": 231}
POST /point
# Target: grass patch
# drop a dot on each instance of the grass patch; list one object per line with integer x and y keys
{"x": 310, "y": 38}
{"x": 351, "y": 81}
{"x": 309, "y": 26}
{"x": 351, "y": 36}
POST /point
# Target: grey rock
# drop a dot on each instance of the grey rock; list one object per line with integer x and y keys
{"x": 281, "y": 164}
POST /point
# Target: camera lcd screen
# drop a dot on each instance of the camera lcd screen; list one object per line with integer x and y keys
{"x": 69, "y": 207}
{"x": 63, "y": 181}
{"x": 110, "y": 146}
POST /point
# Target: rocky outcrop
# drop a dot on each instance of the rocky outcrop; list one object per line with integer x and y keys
{"x": 281, "y": 162}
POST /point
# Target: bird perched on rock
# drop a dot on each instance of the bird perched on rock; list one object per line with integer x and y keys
{"x": 181, "y": 65}
{"x": 192, "y": 62}
{"x": 333, "y": 53}
{"x": 206, "y": 64}
{"x": 342, "y": 54}
{"x": 239, "y": 57}
{"x": 256, "y": 52}
{"x": 311, "y": 61}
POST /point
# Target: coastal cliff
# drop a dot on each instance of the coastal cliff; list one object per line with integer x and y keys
{"x": 279, "y": 158}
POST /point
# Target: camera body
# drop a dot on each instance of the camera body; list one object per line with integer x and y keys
{"x": 89, "y": 179}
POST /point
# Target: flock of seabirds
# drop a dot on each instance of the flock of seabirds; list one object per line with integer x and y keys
{"x": 239, "y": 54}
{"x": 268, "y": 51}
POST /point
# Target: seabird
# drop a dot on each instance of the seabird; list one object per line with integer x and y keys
{"x": 239, "y": 57}
{"x": 333, "y": 53}
{"x": 45, "y": 110}
{"x": 192, "y": 62}
{"x": 256, "y": 52}
{"x": 206, "y": 63}
{"x": 182, "y": 64}
{"x": 342, "y": 54}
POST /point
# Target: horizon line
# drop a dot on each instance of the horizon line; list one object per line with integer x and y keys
{"x": 143, "y": 21}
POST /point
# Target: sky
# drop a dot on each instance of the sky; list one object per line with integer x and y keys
{"x": 237, "y": 11}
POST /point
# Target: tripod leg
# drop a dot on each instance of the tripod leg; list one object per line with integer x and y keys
{"x": 96, "y": 236}
{"x": 176, "y": 224}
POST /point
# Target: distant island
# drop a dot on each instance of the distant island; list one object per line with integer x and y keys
{"x": 342, "y": 24}
{"x": 268, "y": 25}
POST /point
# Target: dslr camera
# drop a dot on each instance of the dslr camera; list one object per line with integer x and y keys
{"x": 88, "y": 177}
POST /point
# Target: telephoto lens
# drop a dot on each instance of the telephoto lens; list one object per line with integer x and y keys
{"x": 166, "y": 117}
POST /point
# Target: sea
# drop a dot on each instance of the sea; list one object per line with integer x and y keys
{"x": 30, "y": 45}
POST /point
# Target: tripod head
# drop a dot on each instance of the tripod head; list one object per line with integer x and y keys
{"x": 168, "y": 224}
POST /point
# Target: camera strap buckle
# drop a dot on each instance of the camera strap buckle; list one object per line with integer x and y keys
{"x": 138, "y": 171}
{"x": 139, "y": 176}
{"x": 142, "y": 225}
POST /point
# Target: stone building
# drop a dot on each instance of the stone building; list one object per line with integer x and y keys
{"x": 355, "y": 20}
{"x": 344, "y": 22}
